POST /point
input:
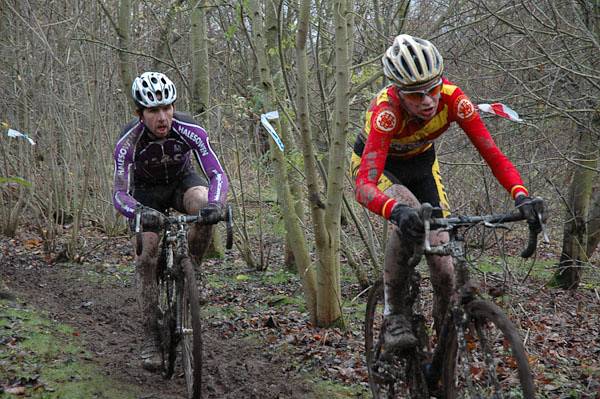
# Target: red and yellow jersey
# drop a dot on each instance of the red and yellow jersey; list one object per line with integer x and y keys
{"x": 391, "y": 133}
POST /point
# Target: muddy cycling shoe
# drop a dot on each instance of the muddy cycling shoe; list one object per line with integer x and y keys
{"x": 151, "y": 358}
{"x": 398, "y": 335}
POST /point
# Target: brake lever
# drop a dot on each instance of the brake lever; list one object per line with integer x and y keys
{"x": 495, "y": 225}
{"x": 138, "y": 231}
{"x": 426, "y": 211}
{"x": 544, "y": 231}
{"x": 229, "y": 227}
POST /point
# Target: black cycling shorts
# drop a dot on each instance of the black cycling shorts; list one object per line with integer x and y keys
{"x": 420, "y": 174}
{"x": 165, "y": 196}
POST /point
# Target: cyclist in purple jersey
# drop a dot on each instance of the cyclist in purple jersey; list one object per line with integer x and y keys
{"x": 154, "y": 169}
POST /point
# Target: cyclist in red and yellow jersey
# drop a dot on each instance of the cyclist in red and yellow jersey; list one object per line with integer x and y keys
{"x": 396, "y": 168}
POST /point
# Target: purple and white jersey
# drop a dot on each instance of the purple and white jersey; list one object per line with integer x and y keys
{"x": 140, "y": 160}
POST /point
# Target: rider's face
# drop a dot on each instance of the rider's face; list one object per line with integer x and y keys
{"x": 424, "y": 105}
{"x": 158, "y": 119}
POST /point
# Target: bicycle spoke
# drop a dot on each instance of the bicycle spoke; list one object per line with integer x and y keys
{"x": 191, "y": 332}
{"x": 167, "y": 324}
{"x": 490, "y": 361}
{"x": 187, "y": 353}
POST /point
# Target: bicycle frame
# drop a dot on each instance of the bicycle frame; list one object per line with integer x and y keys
{"x": 463, "y": 293}
{"x": 178, "y": 287}
{"x": 175, "y": 246}
{"x": 467, "y": 313}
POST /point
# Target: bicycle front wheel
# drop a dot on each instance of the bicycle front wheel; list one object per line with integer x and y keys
{"x": 166, "y": 320}
{"x": 191, "y": 332}
{"x": 487, "y": 359}
{"x": 400, "y": 376}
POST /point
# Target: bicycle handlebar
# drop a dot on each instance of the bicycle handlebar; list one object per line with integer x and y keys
{"x": 226, "y": 216}
{"x": 467, "y": 221}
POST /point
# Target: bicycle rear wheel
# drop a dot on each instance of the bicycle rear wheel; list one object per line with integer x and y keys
{"x": 398, "y": 377}
{"x": 191, "y": 332}
{"x": 488, "y": 359}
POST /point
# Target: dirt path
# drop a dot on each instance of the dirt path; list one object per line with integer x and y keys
{"x": 103, "y": 312}
{"x": 258, "y": 343}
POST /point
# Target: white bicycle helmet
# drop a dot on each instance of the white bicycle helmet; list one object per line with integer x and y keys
{"x": 152, "y": 89}
{"x": 411, "y": 61}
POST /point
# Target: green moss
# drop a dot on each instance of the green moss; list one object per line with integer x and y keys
{"x": 278, "y": 277}
{"x": 46, "y": 358}
{"x": 329, "y": 389}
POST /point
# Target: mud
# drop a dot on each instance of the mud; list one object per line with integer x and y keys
{"x": 105, "y": 314}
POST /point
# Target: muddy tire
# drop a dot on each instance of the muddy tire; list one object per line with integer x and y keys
{"x": 192, "y": 333}
{"x": 489, "y": 360}
{"x": 167, "y": 326}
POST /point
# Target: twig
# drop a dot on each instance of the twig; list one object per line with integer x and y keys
{"x": 127, "y": 51}
{"x": 369, "y": 287}
{"x": 526, "y": 337}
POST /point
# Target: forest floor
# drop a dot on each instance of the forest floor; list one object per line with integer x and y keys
{"x": 73, "y": 331}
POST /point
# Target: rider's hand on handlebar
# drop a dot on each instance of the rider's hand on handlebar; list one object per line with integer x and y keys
{"x": 151, "y": 218}
{"x": 212, "y": 213}
{"x": 409, "y": 223}
{"x": 530, "y": 208}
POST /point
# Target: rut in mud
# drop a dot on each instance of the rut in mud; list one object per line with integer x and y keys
{"x": 105, "y": 314}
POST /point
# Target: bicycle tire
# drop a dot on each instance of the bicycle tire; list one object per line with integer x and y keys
{"x": 492, "y": 363}
{"x": 191, "y": 332}
{"x": 400, "y": 377}
{"x": 166, "y": 320}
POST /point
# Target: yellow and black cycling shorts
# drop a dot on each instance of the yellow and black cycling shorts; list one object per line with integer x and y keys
{"x": 420, "y": 174}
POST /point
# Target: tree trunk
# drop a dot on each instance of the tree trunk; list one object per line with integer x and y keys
{"x": 162, "y": 45}
{"x": 200, "y": 72}
{"x": 593, "y": 238}
{"x": 123, "y": 29}
{"x": 575, "y": 239}
{"x": 291, "y": 221}
{"x": 577, "y": 244}
{"x": 328, "y": 294}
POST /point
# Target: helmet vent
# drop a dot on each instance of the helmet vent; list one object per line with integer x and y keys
{"x": 415, "y": 59}
{"x": 407, "y": 68}
{"x": 427, "y": 60}
{"x": 411, "y": 61}
{"x": 153, "y": 89}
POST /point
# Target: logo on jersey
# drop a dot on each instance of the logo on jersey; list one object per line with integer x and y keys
{"x": 196, "y": 139}
{"x": 464, "y": 108}
{"x": 121, "y": 158}
{"x": 386, "y": 121}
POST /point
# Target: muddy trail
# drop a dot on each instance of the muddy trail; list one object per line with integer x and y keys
{"x": 104, "y": 314}
{"x": 258, "y": 343}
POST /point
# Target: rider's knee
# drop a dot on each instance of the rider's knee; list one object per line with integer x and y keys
{"x": 403, "y": 195}
{"x": 194, "y": 199}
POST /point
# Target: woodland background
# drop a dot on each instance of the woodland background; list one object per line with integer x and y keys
{"x": 66, "y": 68}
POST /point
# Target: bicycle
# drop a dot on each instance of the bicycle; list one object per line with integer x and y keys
{"x": 179, "y": 320}
{"x": 478, "y": 353}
